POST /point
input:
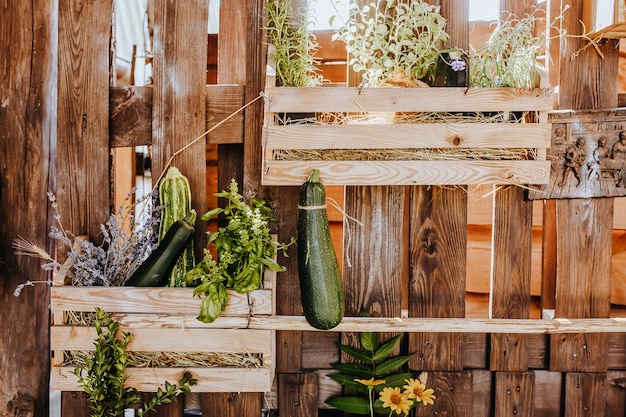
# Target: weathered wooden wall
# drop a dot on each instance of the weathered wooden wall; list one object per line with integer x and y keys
{"x": 412, "y": 254}
{"x": 27, "y": 147}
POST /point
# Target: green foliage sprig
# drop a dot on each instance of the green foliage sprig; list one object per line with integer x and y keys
{"x": 102, "y": 376}
{"x": 293, "y": 44}
{"x": 509, "y": 57}
{"x": 378, "y": 380}
{"x": 244, "y": 248}
{"x": 387, "y": 39}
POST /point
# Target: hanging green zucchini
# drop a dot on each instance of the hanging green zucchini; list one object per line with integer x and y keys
{"x": 155, "y": 270}
{"x": 175, "y": 197}
{"x": 320, "y": 279}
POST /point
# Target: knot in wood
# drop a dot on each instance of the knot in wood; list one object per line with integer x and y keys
{"x": 456, "y": 140}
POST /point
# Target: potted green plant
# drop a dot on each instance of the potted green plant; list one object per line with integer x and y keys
{"x": 394, "y": 43}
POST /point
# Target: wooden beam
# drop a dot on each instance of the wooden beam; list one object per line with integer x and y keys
{"x": 131, "y": 115}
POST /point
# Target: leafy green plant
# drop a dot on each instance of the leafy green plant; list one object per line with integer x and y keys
{"x": 244, "y": 248}
{"x": 102, "y": 376}
{"x": 390, "y": 40}
{"x": 293, "y": 45}
{"x": 377, "y": 378}
{"x": 509, "y": 57}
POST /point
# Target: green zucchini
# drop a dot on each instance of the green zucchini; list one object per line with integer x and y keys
{"x": 155, "y": 270}
{"x": 321, "y": 288}
{"x": 175, "y": 197}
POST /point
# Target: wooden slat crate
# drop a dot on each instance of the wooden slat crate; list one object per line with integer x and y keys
{"x": 316, "y": 136}
{"x": 164, "y": 320}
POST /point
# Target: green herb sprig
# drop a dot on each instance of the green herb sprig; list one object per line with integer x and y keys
{"x": 293, "y": 44}
{"x": 244, "y": 248}
{"x": 102, "y": 375}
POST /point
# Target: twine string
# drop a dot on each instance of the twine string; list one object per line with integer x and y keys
{"x": 193, "y": 142}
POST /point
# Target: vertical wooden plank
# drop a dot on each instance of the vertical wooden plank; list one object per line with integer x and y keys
{"x": 548, "y": 256}
{"x": 454, "y": 395}
{"x": 438, "y": 245}
{"x": 584, "y": 230}
{"x": 234, "y": 404}
{"x": 239, "y": 43}
{"x": 585, "y": 394}
{"x": 83, "y": 178}
{"x": 514, "y": 394}
{"x": 179, "y": 96}
{"x": 438, "y": 242}
{"x": 510, "y": 275}
{"x": 615, "y": 394}
{"x": 547, "y": 400}
{"x": 373, "y": 251}
{"x": 27, "y": 116}
{"x": 83, "y": 175}
{"x": 584, "y": 253}
{"x": 511, "y": 257}
{"x": 75, "y": 404}
{"x": 255, "y": 81}
{"x": 231, "y": 69}
{"x": 298, "y": 393}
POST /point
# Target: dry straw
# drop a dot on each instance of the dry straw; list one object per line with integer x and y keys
{"x": 164, "y": 359}
{"x": 409, "y": 154}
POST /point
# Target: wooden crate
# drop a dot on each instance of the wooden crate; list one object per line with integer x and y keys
{"x": 532, "y": 136}
{"x": 605, "y": 18}
{"x": 164, "y": 320}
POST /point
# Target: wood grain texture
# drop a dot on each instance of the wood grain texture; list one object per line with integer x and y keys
{"x": 222, "y": 102}
{"x": 373, "y": 251}
{"x": 434, "y": 99}
{"x": 588, "y": 81}
{"x": 417, "y": 136}
{"x": 82, "y": 160}
{"x": 27, "y": 153}
{"x": 83, "y": 178}
{"x": 378, "y": 173}
{"x": 214, "y": 379}
{"x": 170, "y": 339}
{"x": 454, "y": 391}
{"x": 299, "y": 393}
{"x": 585, "y": 394}
{"x": 235, "y": 404}
{"x": 514, "y": 394}
{"x": 130, "y": 118}
{"x": 159, "y": 300}
{"x": 179, "y": 97}
{"x": 255, "y": 75}
{"x": 437, "y": 259}
{"x": 372, "y": 274}
{"x": 510, "y": 275}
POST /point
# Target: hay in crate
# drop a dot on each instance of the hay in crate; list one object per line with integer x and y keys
{"x": 407, "y": 136}
{"x": 405, "y": 154}
{"x": 166, "y": 338}
{"x": 168, "y": 359}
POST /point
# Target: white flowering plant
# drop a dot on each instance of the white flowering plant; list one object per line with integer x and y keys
{"x": 244, "y": 248}
{"x": 393, "y": 42}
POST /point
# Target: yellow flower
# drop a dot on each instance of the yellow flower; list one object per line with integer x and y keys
{"x": 417, "y": 391}
{"x": 396, "y": 400}
{"x": 370, "y": 382}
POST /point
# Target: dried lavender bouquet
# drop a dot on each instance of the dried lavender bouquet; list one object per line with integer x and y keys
{"x": 127, "y": 240}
